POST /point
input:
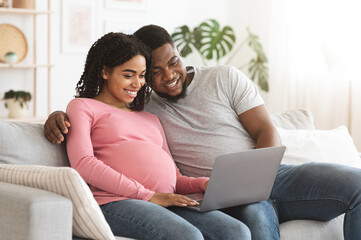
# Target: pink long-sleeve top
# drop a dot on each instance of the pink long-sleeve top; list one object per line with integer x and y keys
{"x": 122, "y": 155}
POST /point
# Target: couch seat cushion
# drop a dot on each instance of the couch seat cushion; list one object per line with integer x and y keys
{"x": 312, "y": 230}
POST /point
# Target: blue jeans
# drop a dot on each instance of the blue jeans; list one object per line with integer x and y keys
{"x": 316, "y": 191}
{"x": 145, "y": 220}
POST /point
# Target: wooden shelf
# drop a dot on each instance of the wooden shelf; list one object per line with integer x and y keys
{"x": 34, "y": 64}
{"x": 23, "y": 11}
{"x": 24, "y": 66}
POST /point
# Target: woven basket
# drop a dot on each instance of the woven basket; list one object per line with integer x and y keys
{"x": 12, "y": 40}
{"x": 23, "y": 4}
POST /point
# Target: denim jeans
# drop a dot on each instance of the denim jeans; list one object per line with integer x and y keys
{"x": 145, "y": 220}
{"x": 315, "y": 191}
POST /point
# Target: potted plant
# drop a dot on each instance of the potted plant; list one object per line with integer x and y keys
{"x": 213, "y": 43}
{"x": 17, "y": 103}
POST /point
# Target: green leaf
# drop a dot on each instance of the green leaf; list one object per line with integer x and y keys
{"x": 215, "y": 40}
{"x": 183, "y": 39}
{"x": 197, "y": 35}
{"x": 259, "y": 73}
{"x": 18, "y": 95}
{"x": 256, "y": 46}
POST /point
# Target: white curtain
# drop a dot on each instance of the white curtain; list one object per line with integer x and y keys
{"x": 315, "y": 61}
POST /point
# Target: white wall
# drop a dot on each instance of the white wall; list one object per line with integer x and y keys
{"x": 69, "y": 66}
{"x": 161, "y": 12}
{"x": 255, "y": 15}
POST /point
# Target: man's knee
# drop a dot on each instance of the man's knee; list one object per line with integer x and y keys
{"x": 260, "y": 211}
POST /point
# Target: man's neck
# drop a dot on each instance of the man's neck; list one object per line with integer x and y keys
{"x": 190, "y": 75}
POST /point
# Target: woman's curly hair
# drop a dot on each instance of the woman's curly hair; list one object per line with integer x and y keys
{"x": 111, "y": 50}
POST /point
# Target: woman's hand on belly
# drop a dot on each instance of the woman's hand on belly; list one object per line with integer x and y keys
{"x": 171, "y": 199}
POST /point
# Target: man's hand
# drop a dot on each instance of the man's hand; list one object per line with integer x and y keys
{"x": 171, "y": 199}
{"x": 55, "y": 126}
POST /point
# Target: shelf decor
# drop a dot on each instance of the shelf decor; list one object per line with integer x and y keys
{"x": 17, "y": 103}
{"x": 12, "y": 40}
{"x": 33, "y": 61}
{"x": 11, "y": 58}
{"x": 23, "y": 4}
{"x": 4, "y": 3}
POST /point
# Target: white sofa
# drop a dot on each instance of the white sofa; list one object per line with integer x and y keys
{"x": 306, "y": 229}
{"x": 23, "y": 146}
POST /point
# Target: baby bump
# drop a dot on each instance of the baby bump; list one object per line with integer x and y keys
{"x": 147, "y": 163}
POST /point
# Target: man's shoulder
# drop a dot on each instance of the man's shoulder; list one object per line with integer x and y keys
{"x": 218, "y": 68}
{"x": 221, "y": 71}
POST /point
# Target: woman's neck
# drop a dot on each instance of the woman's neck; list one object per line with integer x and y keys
{"x": 119, "y": 105}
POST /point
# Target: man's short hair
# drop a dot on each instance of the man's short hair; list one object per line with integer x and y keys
{"x": 154, "y": 36}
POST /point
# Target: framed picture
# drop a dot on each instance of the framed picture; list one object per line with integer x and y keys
{"x": 138, "y": 5}
{"x": 124, "y": 27}
{"x": 78, "y": 25}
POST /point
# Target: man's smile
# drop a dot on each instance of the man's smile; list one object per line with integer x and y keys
{"x": 172, "y": 83}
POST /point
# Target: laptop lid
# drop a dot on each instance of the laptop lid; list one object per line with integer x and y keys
{"x": 242, "y": 178}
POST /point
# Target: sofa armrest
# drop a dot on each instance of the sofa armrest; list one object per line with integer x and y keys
{"x": 29, "y": 213}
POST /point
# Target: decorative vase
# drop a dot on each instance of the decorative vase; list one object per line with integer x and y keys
{"x": 15, "y": 108}
{"x": 23, "y": 4}
{"x": 11, "y": 58}
{"x": 4, "y": 3}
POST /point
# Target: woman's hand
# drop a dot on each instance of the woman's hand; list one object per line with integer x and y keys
{"x": 205, "y": 185}
{"x": 171, "y": 199}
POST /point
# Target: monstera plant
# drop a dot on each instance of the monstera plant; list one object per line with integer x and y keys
{"x": 213, "y": 43}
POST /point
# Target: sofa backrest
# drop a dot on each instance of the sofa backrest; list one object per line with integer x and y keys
{"x": 25, "y": 143}
{"x": 294, "y": 119}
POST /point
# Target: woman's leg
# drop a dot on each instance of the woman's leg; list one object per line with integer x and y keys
{"x": 214, "y": 224}
{"x": 145, "y": 220}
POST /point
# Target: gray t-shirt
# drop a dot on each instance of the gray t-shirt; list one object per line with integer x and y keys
{"x": 205, "y": 123}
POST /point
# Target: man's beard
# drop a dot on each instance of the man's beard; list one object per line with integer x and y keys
{"x": 174, "y": 99}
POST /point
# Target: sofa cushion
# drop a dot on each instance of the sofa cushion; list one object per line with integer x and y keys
{"x": 294, "y": 119}
{"x": 88, "y": 220}
{"x": 24, "y": 143}
{"x": 331, "y": 146}
{"x": 312, "y": 230}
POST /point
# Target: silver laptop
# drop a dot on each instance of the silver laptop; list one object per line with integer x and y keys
{"x": 240, "y": 178}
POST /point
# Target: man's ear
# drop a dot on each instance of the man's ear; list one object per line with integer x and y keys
{"x": 105, "y": 73}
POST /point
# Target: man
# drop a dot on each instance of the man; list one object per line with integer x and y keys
{"x": 209, "y": 111}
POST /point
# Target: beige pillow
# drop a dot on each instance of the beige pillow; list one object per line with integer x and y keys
{"x": 294, "y": 119}
{"x": 88, "y": 220}
{"x": 331, "y": 146}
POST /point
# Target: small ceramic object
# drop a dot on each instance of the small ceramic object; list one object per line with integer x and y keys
{"x": 4, "y": 3}
{"x": 16, "y": 109}
{"x": 11, "y": 57}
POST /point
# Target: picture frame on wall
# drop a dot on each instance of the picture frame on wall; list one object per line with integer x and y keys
{"x": 136, "y": 5}
{"x": 78, "y": 25}
{"x": 124, "y": 27}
